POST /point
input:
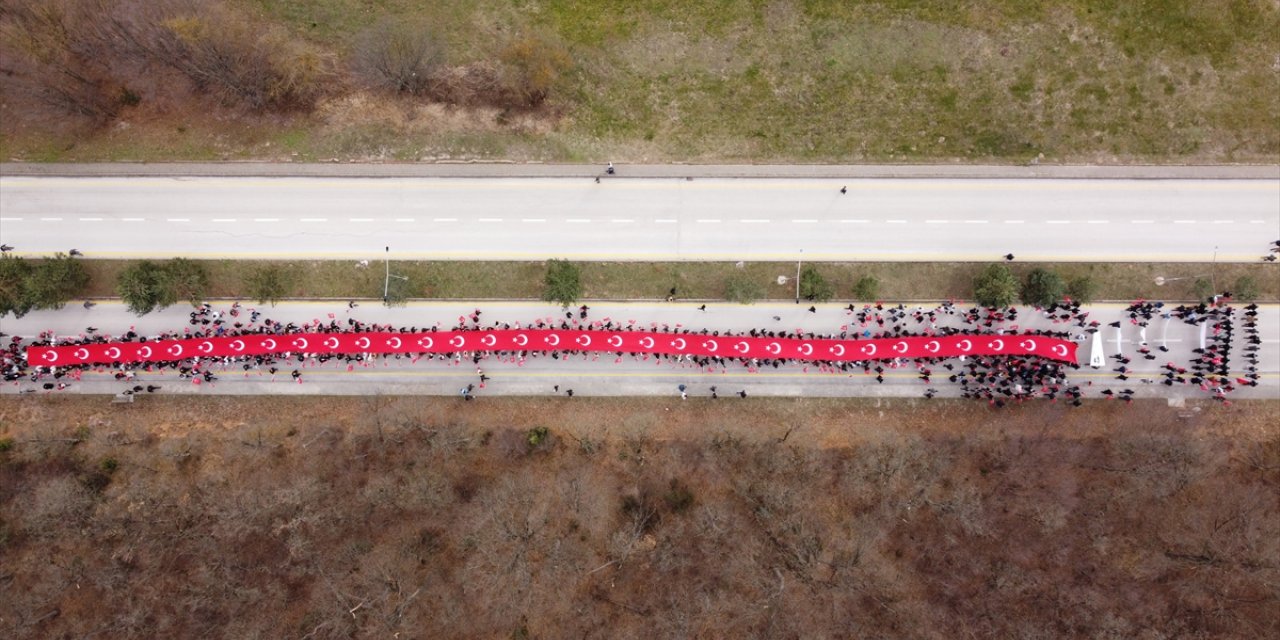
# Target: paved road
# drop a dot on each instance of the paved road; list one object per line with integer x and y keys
{"x": 625, "y": 218}
{"x": 590, "y": 376}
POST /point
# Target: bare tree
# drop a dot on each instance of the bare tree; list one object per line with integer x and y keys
{"x": 398, "y": 56}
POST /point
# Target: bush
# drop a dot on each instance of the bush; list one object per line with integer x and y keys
{"x": 1246, "y": 289}
{"x": 1043, "y": 288}
{"x": 1203, "y": 290}
{"x": 815, "y": 287}
{"x": 142, "y": 287}
{"x": 742, "y": 288}
{"x": 678, "y": 496}
{"x": 186, "y": 280}
{"x": 109, "y": 465}
{"x": 268, "y": 284}
{"x": 995, "y": 287}
{"x": 6, "y": 444}
{"x": 56, "y": 280}
{"x": 537, "y": 436}
{"x": 867, "y": 289}
{"x": 14, "y": 273}
{"x": 533, "y": 65}
{"x": 398, "y": 56}
{"x": 563, "y": 282}
{"x": 1082, "y": 289}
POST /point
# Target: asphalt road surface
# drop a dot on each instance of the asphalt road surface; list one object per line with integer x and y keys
{"x": 590, "y": 376}
{"x": 624, "y": 218}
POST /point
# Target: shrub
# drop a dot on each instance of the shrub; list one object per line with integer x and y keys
{"x": 109, "y": 465}
{"x": 1043, "y": 288}
{"x": 995, "y": 287}
{"x": 268, "y": 283}
{"x": 142, "y": 287}
{"x": 537, "y": 436}
{"x": 867, "y": 289}
{"x": 398, "y": 56}
{"x": 56, "y": 280}
{"x": 563, "y": 282}
{"x": 678, "y": 496}
{"x": 6, "y": 444}
{"x": 534, "y": 64}
{"x": 1082, "y": 289}
{"x": 1246, "y": 289}
{"x": 14, "y": 273}
{"x": 813, "y": 286}
{"x": 185, "y": 280}
{"x": 742, "y": 288}
{"x": 1202, "y": 289}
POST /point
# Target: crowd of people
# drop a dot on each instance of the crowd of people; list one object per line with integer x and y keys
{"x": 998, "y": 380}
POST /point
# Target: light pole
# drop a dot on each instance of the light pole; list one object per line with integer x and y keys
{"x": 386, "y": 282}
{"x": 798, "y": 261}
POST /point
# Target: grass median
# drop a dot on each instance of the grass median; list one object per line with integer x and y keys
{"x": 695, "y": 280}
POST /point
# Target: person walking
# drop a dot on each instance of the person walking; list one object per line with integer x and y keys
{"x": 609, "y": 169}
{"x": 844, "y": 190}
{"x": 5, "y": 248}
{"x": 1008, "y": 257}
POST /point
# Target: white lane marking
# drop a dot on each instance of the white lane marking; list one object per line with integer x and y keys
{"x": 177, "y": 219}
{"x": 1142, "y": 222}
{"x": 444, "y": 220}
{"x": 1057, "y": 222}
{"x": 1184, "y": 221}
{"x": 404, "y": 220}
{"x": 359, "y": 219}
{"x": 622, "y": 220}
{"x": 1096, "y": 221}
{"x": 896, "y": 221}
{"x": 133, "y": 219}
{"x": 853, "y": 221}
{"x": 266, "y": 219}
{"x": 935, "y": 221}
{"x": 754, "y": 221}
{"x": 1014, "y": 221}
{"x": 315, "y": 220}
{"x": 975, "y": 221}
{"x": 708, "y": 220}
{"x": 50, "y": 219}
{"x": 490, "y": 220}
{"x": 577, "y": 221}
{"x": 1250, "y": 222}
{"x": 224, "y": 219}
{"x": 10, "y": 219}
{"x": 533, "y": 219}
{"x": 665, "y": 221}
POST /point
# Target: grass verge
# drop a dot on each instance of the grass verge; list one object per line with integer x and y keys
{"x": 696, "y": 280}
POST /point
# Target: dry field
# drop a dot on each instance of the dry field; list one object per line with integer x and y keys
{"x": 635, "y": 518}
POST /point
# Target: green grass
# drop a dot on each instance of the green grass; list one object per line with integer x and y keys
{"x": 694, "y": 280}
{"x": 804, "y": 81}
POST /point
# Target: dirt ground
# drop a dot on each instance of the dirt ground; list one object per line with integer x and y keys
{"x": 636, "y": 518}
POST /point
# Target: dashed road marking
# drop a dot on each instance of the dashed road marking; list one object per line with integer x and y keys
{"x": 10, "y": 219}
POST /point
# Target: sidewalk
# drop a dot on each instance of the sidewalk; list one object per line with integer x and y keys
{"x": 689, "y": 171}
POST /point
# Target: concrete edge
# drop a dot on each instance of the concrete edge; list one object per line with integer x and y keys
{"x": 335, "y": 169}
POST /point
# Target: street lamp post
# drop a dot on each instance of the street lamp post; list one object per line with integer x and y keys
{"x": 798, "y": 261}
{"x": 386, "y": 282}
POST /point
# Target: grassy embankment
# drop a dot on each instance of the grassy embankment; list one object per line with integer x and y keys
{"x": 728, "y": 81}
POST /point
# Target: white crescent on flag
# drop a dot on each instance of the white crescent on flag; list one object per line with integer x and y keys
{"x": 1029, "y": 345}
{"x": 869, "y": 349}
{"x": 838, "y": 350}
{"x": 457, "y": 341}
{"x": 238, "y": 345}
{"x": 901, "y": 347}
{"x": 933, "y": 346}
{"x": 646, "y": 342}
{"x": 710, "y": 345}
{"x": 363, "y": 342}
{"x": 331, "y": 342}
{"x": 678, "y": 343}
{"x": 742, "y": 347}
{"x": 996, "y": 345}
{"x": 113, "y": 353}
{"x": 51, "y": 355}
{"x": 269, "y": 344}
{"x": 553, "y": 339}
{"x": 584, "y": 341}
{"x": 774, "y": 348}
{"x": 176, "y": 349}
{"x": 806, "y": 349}
{"x": 206, "y": 346}
{"x": 426, "y": 342}
{"x": 615, "y": 341}
{"x": 522, "y": 339}
{"x": 489, "y": 340}
{"x": 1060, "y": 349}
{"x": 144, "y": 352}
{"x": 300, "y": 343}
{"x": 393, "y": 342}
{"x": 965, "y": 345}
{"x": 82, "y": 353}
